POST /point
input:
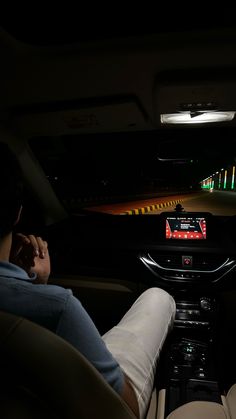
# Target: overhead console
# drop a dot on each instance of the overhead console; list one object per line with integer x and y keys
{"x": 173, "y": 96}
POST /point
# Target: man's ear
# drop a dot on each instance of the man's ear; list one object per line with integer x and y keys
{"x": 18, "y": 216}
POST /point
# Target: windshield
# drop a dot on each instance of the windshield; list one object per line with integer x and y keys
{"x": 142, "y": 172}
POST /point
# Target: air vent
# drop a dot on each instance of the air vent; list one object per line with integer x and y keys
{"x": 199, "y": 262}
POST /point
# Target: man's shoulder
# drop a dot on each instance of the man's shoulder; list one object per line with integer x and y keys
{"x": 12, "y": 286}
{"x": 51, "y": 291}
{"x": 43, "y": 304}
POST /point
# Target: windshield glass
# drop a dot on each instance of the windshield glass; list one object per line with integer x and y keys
{"x": 142, "y": 172}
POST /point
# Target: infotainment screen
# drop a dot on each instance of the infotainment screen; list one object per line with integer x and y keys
{"x": 184, "y": 226}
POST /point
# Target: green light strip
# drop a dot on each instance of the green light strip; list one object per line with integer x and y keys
{"x": 225, "y": 179}
{"x": 233, "y": 176}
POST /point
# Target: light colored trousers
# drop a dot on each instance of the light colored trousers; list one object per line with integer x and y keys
{"x": 137, "y": 339}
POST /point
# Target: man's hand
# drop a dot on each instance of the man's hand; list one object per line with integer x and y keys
{"x": 31, "y": 254}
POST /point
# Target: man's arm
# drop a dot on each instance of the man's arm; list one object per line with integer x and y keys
{"x": 75, "y": 325}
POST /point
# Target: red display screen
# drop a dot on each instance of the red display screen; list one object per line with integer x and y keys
{"x": 186, "y": 227}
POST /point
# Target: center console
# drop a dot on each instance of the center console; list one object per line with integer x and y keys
{"x": 196, "y": 313}
{"x": 190, "y": 374}
{"x": 193, "y": 259}
{"x": 188, "y": 364}
{"x": 191, "y": 250}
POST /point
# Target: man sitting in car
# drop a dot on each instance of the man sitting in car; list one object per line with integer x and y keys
{"x": 126, "y": 355}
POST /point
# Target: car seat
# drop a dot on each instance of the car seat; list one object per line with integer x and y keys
{"x": 43, "y": 376}
{"x": 208, "y": 410}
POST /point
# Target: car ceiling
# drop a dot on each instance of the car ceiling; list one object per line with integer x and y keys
{"x": 84, "y": 26}
{"x": 67, "y": 79}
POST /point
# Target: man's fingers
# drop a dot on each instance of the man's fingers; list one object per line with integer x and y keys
{"x": 39, "y": 245}
{"x": 34, "y": 244}
{"x": 31, "y": 245}
{"x": 42, "y": 246}
{"x": 22, "y": 238}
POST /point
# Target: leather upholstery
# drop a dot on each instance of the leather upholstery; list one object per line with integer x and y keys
{"x": 231, "y": 401}
{"x": 199, "y": 410}
{"x": 44, "y": 376}
{"x": 208, "y": 410}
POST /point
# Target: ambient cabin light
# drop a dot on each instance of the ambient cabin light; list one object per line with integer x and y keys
{"x": 200, "y": 117}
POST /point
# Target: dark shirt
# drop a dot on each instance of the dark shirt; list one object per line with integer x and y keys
{"x": 56, "y": 309}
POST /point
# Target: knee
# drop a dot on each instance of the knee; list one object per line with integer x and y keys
{"x": 157, "y": 297}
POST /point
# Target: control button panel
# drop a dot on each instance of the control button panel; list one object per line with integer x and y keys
{"x": 187, "y": 261}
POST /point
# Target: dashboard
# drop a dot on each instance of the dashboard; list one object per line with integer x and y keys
{"x": 98, "y": 256}
{"x": 194, "y": 248}
{"x": 148, "y": 249}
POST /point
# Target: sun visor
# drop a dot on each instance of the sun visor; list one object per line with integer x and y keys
{"x": 108, "y": 117}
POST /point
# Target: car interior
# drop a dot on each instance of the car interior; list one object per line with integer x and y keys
{"x": 127, "y": 142}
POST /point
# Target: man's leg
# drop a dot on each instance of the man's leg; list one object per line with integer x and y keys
{"x": 137, "y": 339}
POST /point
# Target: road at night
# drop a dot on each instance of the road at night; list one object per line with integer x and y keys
{"x": 216, "y": 202}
